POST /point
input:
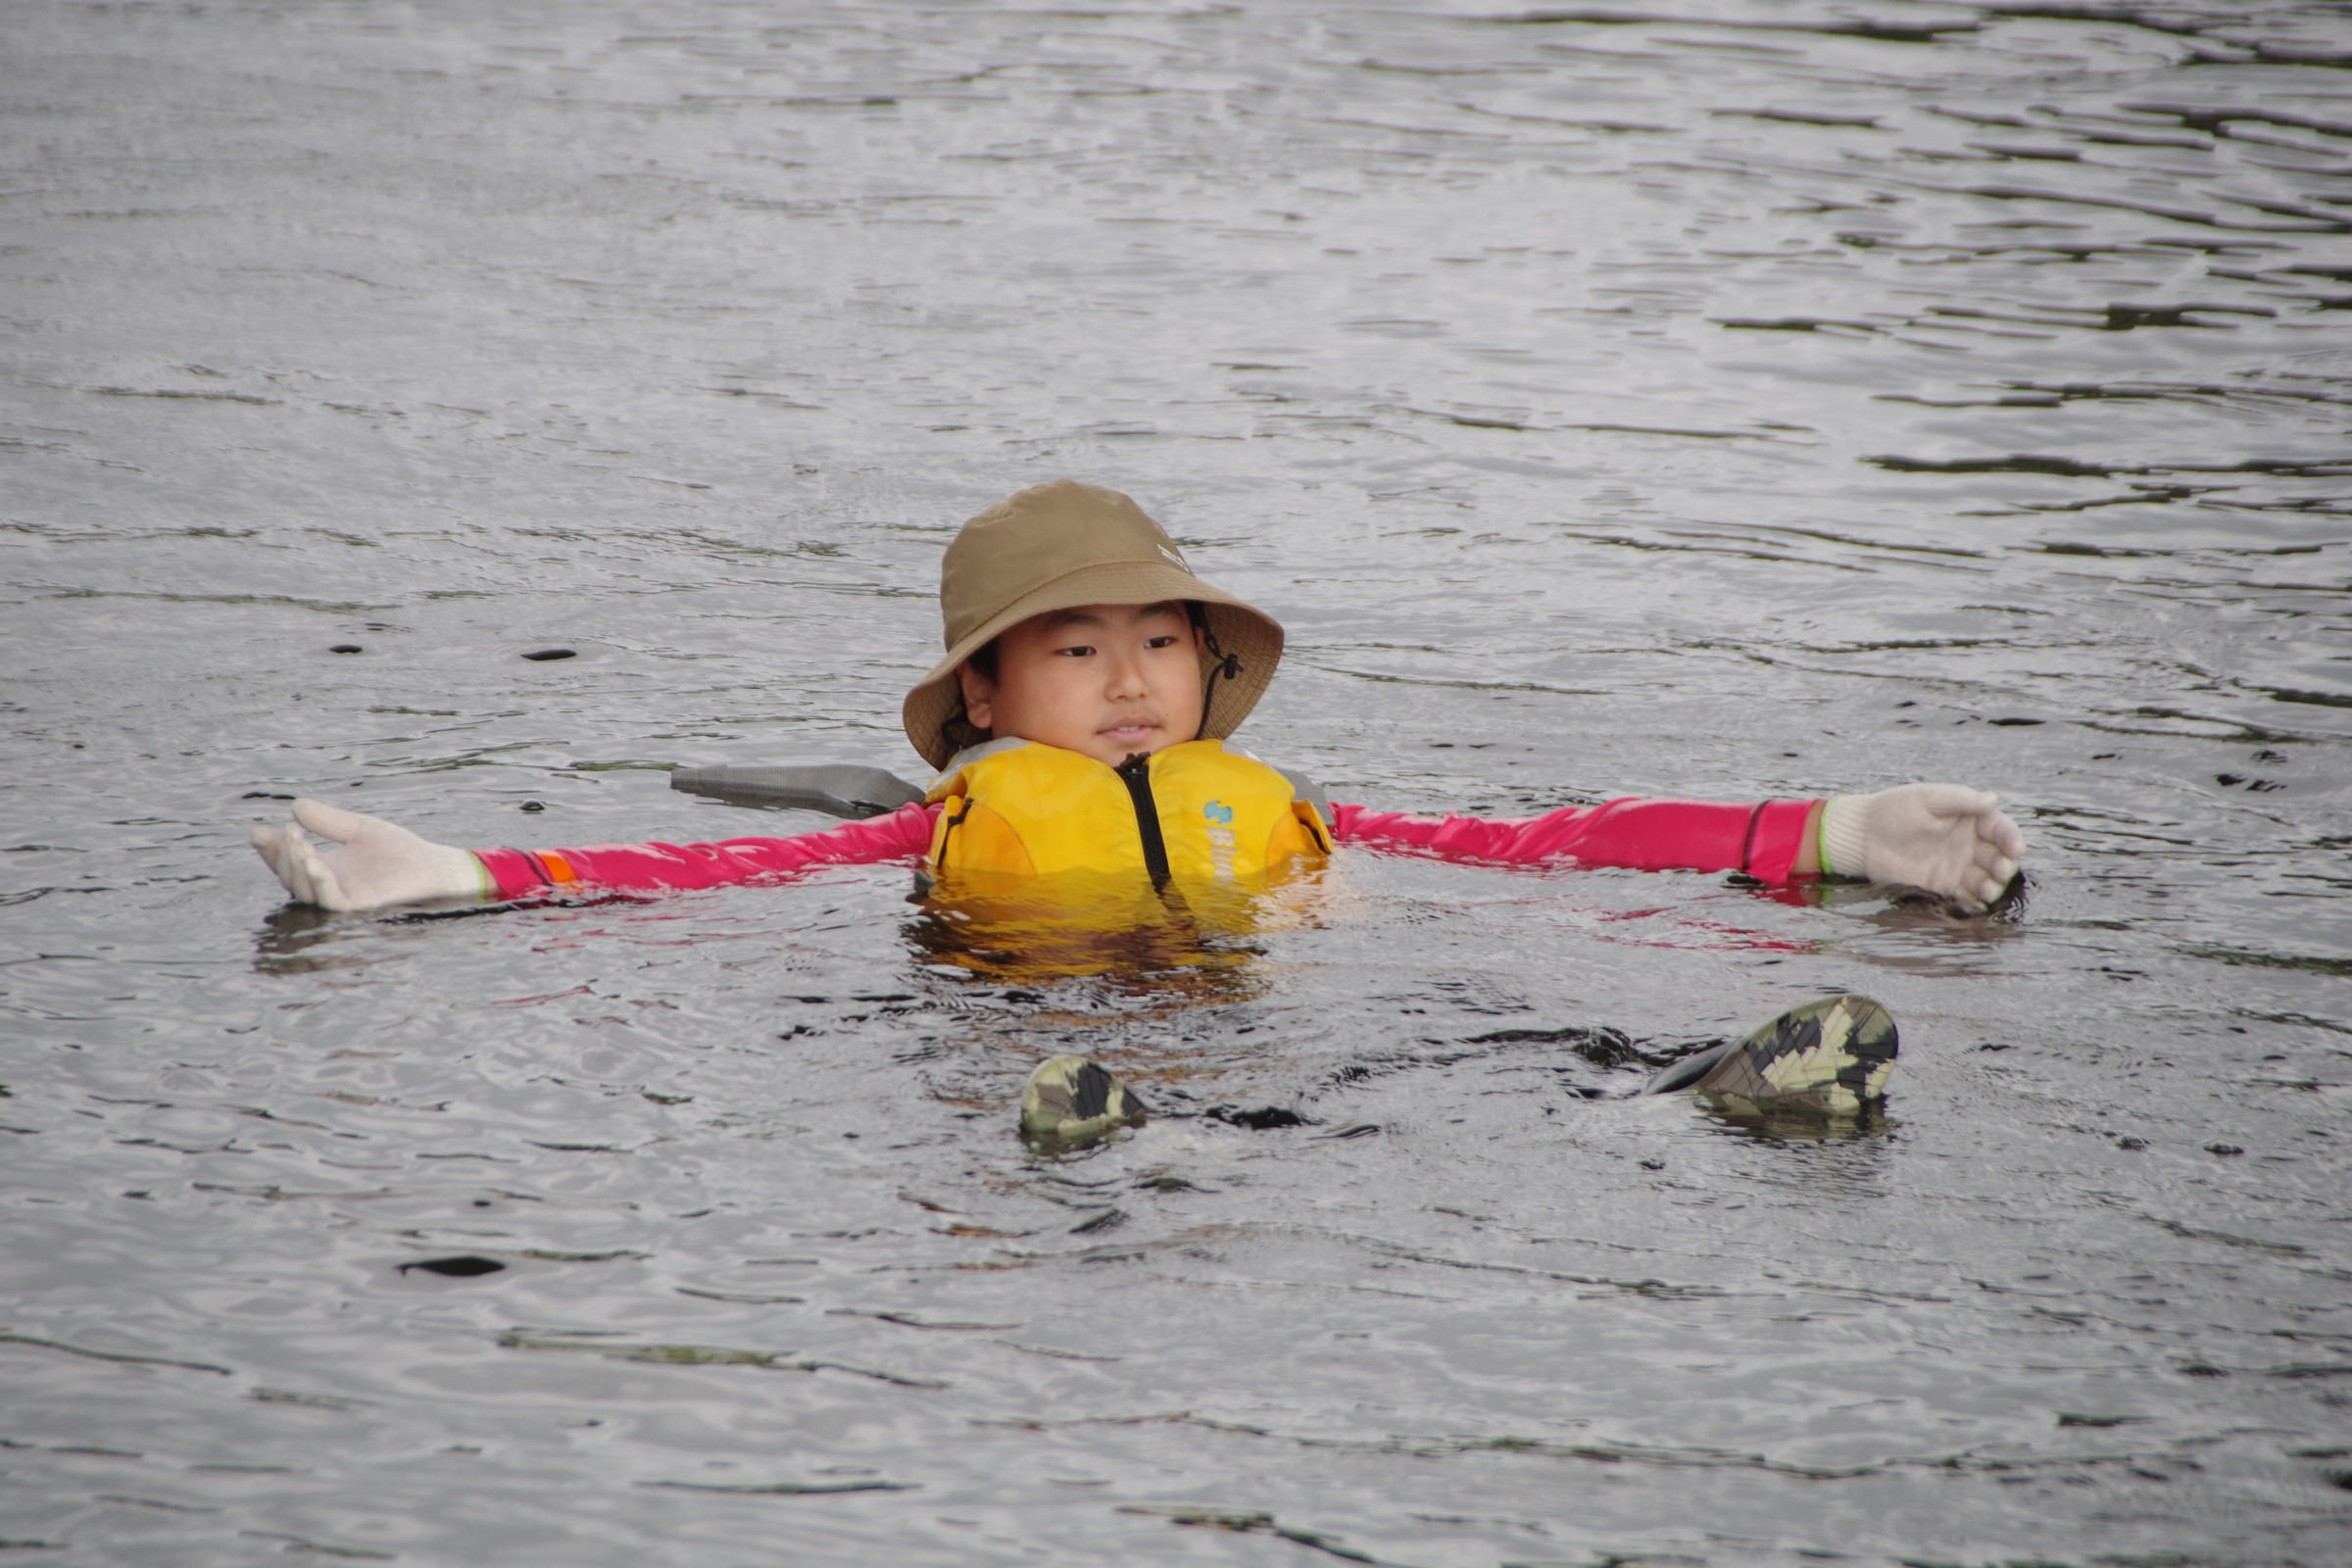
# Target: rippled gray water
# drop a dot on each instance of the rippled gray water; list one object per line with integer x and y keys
{"x": 1738, "y": 399}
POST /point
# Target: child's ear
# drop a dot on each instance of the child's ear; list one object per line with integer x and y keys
{"x": 979, "y": 697}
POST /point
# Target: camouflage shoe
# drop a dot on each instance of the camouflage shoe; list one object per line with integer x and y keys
{"x": 1833, "y": 1055}
{"x": 1070, "y": 1102}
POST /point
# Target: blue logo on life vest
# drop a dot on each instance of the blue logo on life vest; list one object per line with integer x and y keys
{"x": 1220, "y": 839}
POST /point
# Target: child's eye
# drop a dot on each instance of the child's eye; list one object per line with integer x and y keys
{"x": 1074, "y": 651}
{"x": 1168, "y": 641}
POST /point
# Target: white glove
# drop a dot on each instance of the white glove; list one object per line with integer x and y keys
{"x": 1951, "y": 840}
{"x": 380, "y": 863}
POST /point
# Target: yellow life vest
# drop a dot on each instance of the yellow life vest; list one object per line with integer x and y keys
{"x": 1191, "y": 814}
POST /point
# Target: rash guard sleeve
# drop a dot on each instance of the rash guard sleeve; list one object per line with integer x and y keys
{"x": 903, "y": 834}
{"x": 1761, "y": 839}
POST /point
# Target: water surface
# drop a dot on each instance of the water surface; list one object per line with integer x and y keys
{"x": 1721, "y": 400}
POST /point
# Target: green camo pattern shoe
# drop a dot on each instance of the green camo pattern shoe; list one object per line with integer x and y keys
{"x": 1070, "y": 1102}
{"x": 1834, "y": 1057}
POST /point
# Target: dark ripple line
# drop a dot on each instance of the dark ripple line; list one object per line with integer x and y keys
{"x": 2217, "y": 121}
{"x": 1655, "y": 1454}
{"x": 2321, "y": 223}
{"x": 2243, "y": 957}
{"x": 1876, "y": 32}
{"x": 2080, "y": 468}
{"x": 1249, "y": 1524}
{"x": 1719, "y": 162}
{"x": 785, "y": 1488}
{"x": 323, "y": 1548}
{"x": 124, "y": 1356}
{"x": 1655, "y": 1288}
{"x": 2054, "y": 394}
{"x": 2203, "y": 29}
{"x": 707, "y": 1356}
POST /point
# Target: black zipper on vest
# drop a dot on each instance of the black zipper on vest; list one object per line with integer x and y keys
{"x": 941, "y": 859}
{"x": 1136, "y": 774}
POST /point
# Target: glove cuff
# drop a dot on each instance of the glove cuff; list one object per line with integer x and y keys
{"x": 456, "y": 874}
{"x": 1844, "y": 835}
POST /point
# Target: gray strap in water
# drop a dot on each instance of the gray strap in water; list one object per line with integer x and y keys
{"x": 1309, "y": 791}
{"x": 838, "y": 789}
{"x": 847, "y": 789}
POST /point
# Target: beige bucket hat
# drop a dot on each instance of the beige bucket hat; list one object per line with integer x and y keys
{"x": 1059, "y": 544}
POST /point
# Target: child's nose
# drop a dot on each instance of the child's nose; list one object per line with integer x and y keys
{"x": 1123, "y": 675}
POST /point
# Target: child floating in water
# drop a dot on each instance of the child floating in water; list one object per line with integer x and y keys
{"x": 1078, "y": 722}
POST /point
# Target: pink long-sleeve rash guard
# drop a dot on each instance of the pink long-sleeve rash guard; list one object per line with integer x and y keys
{"x": 1762, "y": 840}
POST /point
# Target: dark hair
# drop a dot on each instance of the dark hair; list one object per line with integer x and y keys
{"x": 958, "y": 727}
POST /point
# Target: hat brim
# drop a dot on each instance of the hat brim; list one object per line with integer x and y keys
{"x": 1252, "y": 637}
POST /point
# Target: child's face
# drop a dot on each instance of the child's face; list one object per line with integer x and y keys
{"x": 1106, "y": 680}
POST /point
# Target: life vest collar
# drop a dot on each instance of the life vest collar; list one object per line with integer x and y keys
{"x": 938, "y": 789}
{"x": 1193, "y": 813}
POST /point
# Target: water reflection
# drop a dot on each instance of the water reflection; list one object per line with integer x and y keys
{"x": 296, "y": 940}
{"x": 299, "y": 938}
{"x": 1772, "y": 1125}
{"x": 1183, "y": 946}
{"x": 1673, "y": 398}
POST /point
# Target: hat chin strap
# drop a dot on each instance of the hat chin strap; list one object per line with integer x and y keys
{"x": 1227, "y": 664}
